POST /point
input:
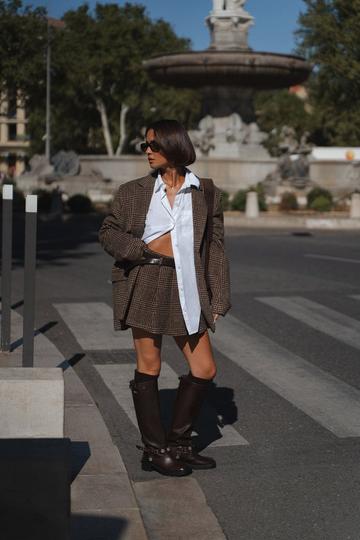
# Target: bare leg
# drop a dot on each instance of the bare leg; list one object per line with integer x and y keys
{"x": 148, "y": 351}
{"x": 145, "y": 393}
{"x": 198, "y": 353}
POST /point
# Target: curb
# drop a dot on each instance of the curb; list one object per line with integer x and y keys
{"x": 103, "y": 502}
{"x": 294, "y": 222}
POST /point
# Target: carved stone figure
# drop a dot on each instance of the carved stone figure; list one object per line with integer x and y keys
{"x": 218, "y": 5}
{"x": 291, "y": 172}
{"x": 234, "y": 5}
{"x": 288, "y": 141}
{"x": 203, "y": 138}
{"x": 235, "y": 131}
{"x": 66, "y": 163}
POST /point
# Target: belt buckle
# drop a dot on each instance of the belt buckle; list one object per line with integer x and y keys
{"x": 161, "y": 259}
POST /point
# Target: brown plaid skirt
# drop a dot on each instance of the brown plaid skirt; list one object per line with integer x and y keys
{"x": 155, "y": 305}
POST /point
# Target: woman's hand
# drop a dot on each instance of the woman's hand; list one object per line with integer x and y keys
{"x": 216, "y": 316}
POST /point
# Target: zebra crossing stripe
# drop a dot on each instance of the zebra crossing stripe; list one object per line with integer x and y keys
{"x": 355, "y": 296}
{"x": 92, "y": 325}
{"x": 319, "y": 317}
{"x": 117, "y": 377}
{"x": 327, "y": 400}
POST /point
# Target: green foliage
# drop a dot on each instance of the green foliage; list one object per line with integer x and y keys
{"x": 277, "y": 109}
{"x": 321, "y": 204}
{"x": 225, "y": 204}
{"x": 97, "y": 57}
{"x": 44, "y": 199}
{"x": 318, "y": 192}
{"x": 239, "y": 200}
{"x": 288, "y": 201}
{"x": 22, "y": 49}
{"x": 329, "y": 37}
{"x": 79, "y": 204}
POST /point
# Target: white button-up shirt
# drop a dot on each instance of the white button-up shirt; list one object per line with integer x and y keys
{"x": 160, "y": 219}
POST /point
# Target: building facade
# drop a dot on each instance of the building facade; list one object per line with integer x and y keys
{"x": 14, "y": 141}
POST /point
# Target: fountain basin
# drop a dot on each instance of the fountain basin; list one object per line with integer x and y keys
{"x": 240, "y": 68}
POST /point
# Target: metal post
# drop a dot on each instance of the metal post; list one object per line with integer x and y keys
{"x": 6, "y": 256}
{"x": 48, "y": 92}
{"x": 29, "y": 280}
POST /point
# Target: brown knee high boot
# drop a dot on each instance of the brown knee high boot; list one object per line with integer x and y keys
{"x": 189, "y": 398}
{"x": 156, "y": 454}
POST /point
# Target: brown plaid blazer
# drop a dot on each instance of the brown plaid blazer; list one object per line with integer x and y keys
{"x": 120, "y": 236}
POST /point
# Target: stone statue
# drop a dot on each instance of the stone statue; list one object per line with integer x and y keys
{"x": 228, "y": 5}
{"x": 288, "y": 141}
{"x": 293, "y": 167}
{"x": 234, "y": 131}
{"x": 203, "y": 138}
{"x": 234, "y": 5}
{"x": 218, "y": 5}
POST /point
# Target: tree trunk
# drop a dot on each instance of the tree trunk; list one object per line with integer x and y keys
{"x": 123, "y": 135}
{"x": 100, "y": 105}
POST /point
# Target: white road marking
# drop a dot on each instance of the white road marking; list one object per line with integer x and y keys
{"x": 327, "y": 400}
{"x": 322, "y": 318}
{"x": 117, "y": 377}
{"x": 92, "y": 326}
{"x": 332, "y": 258}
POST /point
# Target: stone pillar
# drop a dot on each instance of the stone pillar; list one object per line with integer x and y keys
{"x": 252, "y": 205}
{"x": 4, "y": 132}
{"x": 355, "y": 206}
{"x": 20, "y": 116}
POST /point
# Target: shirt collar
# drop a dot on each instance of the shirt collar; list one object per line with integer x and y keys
{"x": 190, "y": 180}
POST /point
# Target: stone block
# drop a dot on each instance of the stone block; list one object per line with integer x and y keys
{"x": 31, "y": 403}
{"x": 355, "y": 206}
{"x": 252, "y": 205}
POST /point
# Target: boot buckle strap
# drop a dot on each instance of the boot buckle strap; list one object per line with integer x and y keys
{"x": 152, "y": 449}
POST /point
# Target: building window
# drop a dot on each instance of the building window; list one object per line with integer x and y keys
{"x": 12, "y": 103}
{"x": 12, "y": 132}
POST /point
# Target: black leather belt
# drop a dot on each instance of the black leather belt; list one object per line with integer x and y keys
{"x": 147, "y": 259}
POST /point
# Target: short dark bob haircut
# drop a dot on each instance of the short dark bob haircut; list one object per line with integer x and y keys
{"x": 175, "y": 142}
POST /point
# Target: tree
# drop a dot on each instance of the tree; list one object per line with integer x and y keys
{"x": 277, "y": 109}
{"x": 22, "y": 52}
{"x": 98, "y": 73}
{"x": 329, "y": 37}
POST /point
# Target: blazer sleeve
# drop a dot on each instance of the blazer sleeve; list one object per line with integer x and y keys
{"x": 113, "y": 236}
{"x": 219, "y": 271}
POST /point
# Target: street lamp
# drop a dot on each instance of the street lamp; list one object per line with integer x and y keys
{"x": 54, "y": 23}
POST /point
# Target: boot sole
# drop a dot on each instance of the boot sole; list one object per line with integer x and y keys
{"x": 198, "y": 467}
{"x": 149, "y": 467}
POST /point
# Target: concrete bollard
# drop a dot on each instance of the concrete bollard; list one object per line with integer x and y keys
{"x": 355, "y": 206}
{"x": 252, "y": 205}
{"x": 31, "y": 403}
{"x": 35, "y": 458}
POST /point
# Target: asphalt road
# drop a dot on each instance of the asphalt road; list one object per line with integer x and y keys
{"x": 283, "y": 417}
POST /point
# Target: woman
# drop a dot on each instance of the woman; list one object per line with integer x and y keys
{"x": 158, "y": 232}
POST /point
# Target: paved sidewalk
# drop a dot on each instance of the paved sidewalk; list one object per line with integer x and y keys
{"x": 103, "y": 502}
{"x": 290, "y": 221}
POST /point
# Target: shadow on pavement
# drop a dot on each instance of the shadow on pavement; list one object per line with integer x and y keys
{"x": 219, "y": 410}
{"x": 58, "y": 238}
{"x": 93, "y": 527}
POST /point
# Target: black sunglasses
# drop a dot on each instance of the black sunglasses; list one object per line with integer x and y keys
{"x": 153, "y": 145}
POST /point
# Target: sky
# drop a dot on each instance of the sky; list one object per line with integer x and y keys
{"x": 275, "y": 20}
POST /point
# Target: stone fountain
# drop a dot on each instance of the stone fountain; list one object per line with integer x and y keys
{"x": 228, "y": 73}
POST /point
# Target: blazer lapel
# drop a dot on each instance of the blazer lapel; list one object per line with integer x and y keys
{"x": 142, "y": 203}
{"x": 199, "y": 215}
